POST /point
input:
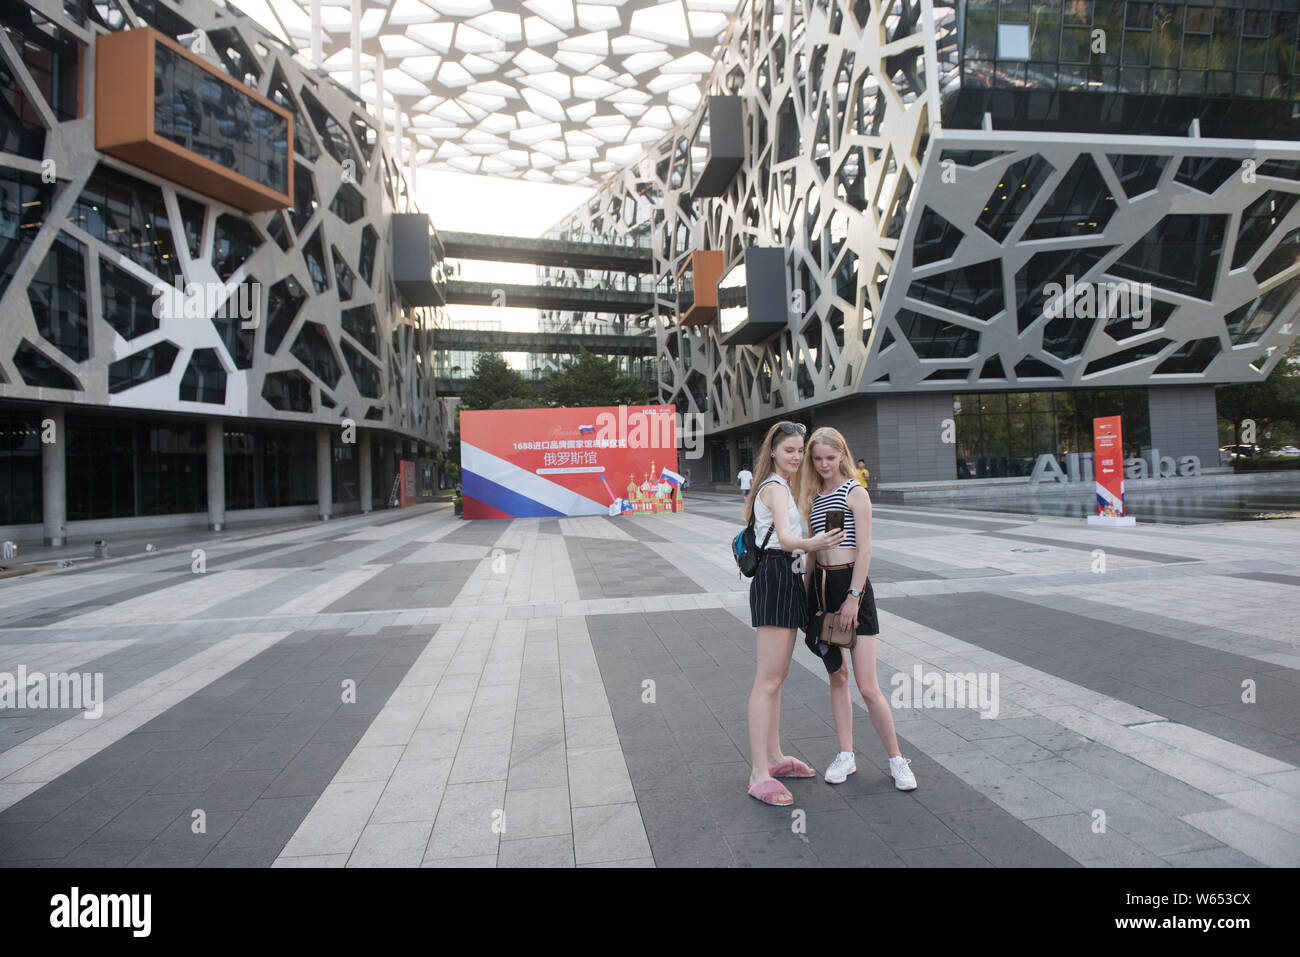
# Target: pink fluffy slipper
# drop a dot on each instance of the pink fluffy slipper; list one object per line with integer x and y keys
{"x": 792, "y": 768}
{"x": 771, "y": 792}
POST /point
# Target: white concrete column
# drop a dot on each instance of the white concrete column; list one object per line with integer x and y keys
{"x": 54, "y": 498}
{"x": 317, "y": 46}
{"x": 356, "y": 47}
{"x": 399, "y": 133}
{"x": 379, "y": 98}
{"x": 363, "y": 465}
{"x": 324, "y": 473}
{"x": 216, "y": 476}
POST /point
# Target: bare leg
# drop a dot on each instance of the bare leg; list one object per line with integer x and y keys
{"x": 842, "y": 707}
{"x": 775, "y": 647}
{"x": 882, "y": 718}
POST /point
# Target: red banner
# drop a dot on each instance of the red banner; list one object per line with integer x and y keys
{"x": 1108, "y": 465}
{"x": 586, "y": 461}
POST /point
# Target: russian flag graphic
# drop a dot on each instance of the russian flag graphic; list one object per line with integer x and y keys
{"x": 495, "y": 488}
{"x": 672, "y": 478}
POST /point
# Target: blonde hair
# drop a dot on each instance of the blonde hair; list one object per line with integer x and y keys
{"x": 763, "y": 467}
{"x": 810, "y": 482}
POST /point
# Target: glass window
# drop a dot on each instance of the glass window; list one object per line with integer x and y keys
{"x": 129, "y": 215}
{"x": 217, "y": 120}
{"x": 57, "y": 293}
{"x": 20, "y": 469}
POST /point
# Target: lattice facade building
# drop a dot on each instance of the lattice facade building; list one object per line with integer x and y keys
{"x": 963, "y": 207}
{"x": 229, "y": 261}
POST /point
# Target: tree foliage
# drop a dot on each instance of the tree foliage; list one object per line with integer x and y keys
{"x": 494, "y": 384}
{"x": 1273, "y": 405}
{"x": 590, "y": 380}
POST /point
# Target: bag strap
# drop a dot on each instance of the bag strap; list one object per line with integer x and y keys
{"x": 822, "y": 582}
{"x": 763, "y": 547}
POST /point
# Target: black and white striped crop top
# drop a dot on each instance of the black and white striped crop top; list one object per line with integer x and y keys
{"x": 836, "y": 499}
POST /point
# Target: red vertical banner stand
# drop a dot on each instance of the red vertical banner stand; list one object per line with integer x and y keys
{"x": 1108, "y": 472}
{"x": 409, "y": 495}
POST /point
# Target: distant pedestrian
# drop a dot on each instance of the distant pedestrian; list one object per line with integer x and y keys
{"x": 746, "y": 478}
{"x": 864, "y": 474}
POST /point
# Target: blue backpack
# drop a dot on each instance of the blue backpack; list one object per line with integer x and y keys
{"x": 746, "y": 552}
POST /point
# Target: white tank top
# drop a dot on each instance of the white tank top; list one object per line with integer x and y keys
{"x": 763, "y": 515}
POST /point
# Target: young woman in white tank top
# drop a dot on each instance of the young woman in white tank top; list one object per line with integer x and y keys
{"x": 827, "y": 481}
{"x": 778, "y": 604}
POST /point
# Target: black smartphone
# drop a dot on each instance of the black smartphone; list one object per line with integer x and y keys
{"x": 834, "y": 519}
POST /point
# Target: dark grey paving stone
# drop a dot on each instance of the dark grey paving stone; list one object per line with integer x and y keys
{"x": 1107, "y": 657}
{"x": 1004, "y": 841}
{"x": 621, "y": 569}
{"x": 104, "y": 855}
{"x": 316, "y": 554}
{"x": 188, "y": 757}
{"x": 947, "y": 855}
{"x": 1157, "y": 557}
{"x": 688, "y": 763}
{"x": 408, "y": 585}
{"x": 481, "y": 531}
{"x": 780, "y": 848}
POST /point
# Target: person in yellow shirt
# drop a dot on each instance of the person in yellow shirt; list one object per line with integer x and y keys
{"x": 864, "y": 474}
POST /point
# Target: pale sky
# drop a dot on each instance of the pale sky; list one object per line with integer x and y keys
{"x": 462, "y": 202}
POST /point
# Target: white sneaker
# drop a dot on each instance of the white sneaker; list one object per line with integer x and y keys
{"x": 841, "y": 768}
{"x": 904, "y": 780}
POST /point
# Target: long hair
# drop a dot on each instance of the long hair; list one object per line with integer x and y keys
{"x": 763, "y": 468}
{"x": 810, "y": 482}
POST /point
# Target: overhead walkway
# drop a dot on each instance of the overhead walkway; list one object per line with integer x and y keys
{"x": 597, "y": 254}
{"x": 562, "y": 298}
{"x": 563, "y": 343}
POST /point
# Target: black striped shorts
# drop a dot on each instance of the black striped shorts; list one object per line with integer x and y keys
{"x": 776, "y": 593}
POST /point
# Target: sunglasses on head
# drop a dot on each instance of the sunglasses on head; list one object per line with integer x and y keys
{"x": 792, "y": 428}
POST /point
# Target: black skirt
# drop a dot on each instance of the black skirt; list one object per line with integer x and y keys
{"x": 777, "y": 597}
{"x": 838, "y": 582}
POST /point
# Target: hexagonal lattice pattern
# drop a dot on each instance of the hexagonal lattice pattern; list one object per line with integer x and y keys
{"x": 548, "y": 90}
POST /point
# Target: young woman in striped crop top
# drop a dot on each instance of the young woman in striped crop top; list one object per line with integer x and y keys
{"x": 839, "y": 586}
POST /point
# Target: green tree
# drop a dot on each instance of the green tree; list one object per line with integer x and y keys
{"x": 495, "y": 385}
{"x": 591, "y": 380}
{"x": 1273, "y": 405}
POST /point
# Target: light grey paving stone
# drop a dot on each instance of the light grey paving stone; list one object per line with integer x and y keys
{"x": 469, "y": 820}
{"x": 432, "y": 743}
{"x": 1073, "y": 834}
{"x": 370, "y": 763}
{"x": 481, "y": 860}
{"x": 538, "y": 761}
{"x": 592, "y": 731}
{"x": 1014, "y": 749}
{"x": 537, "y": 852}
{"x": 638, "y": 862}
{"x": 1213, "y": 857}
{"x": 1275, "y": 806}
{"x": 414, "y": 792}
{"x": 1251, "y": 836}
{"x": 1005, "y": 786}
{"x": 611, "y": 832}
{"x": 540, "y": 720}
{"x": 399, "y": 844}
{"x": 318, "y": 860}
{"x": 480, "y": 764}
{"x": 1288, "y": 781}
{"x": 598, "y": 776}
{"x": 537, "y": 812}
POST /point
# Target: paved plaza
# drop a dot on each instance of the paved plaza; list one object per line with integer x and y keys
{"x": 408, "y": 689}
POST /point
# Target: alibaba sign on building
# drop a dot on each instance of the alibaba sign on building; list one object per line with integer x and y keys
{"x": 517, "y": 463}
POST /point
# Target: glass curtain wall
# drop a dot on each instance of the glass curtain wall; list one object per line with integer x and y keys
{"x": 1001, "y": 434}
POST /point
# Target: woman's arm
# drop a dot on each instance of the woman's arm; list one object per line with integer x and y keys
{"x": 860, "y": 504}
{"x": 774, "y": 496}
